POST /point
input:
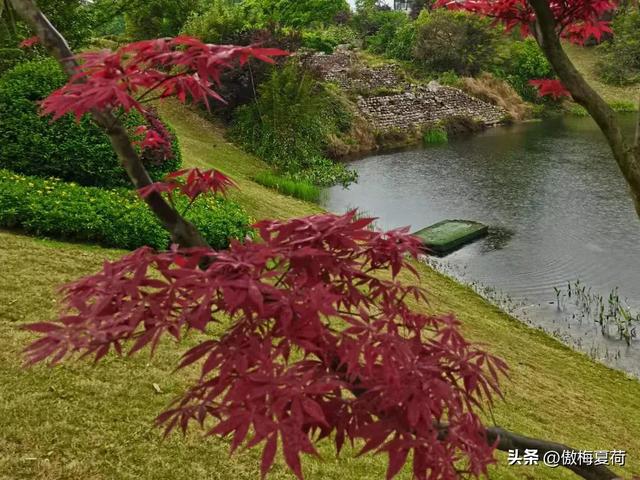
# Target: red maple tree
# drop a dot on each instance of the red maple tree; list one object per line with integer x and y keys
{"x": 321, "y": 340}
{"x": 319, "y": 343}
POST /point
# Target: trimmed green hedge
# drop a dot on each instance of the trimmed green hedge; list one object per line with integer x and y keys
{"x": 113, "y": 218}
{"x": 33, "y": 145}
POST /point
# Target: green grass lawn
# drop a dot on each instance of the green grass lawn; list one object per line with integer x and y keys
{"x": 585, "y": 59}
{"x": 80, "y": 421}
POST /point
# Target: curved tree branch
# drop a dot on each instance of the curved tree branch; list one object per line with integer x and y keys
{"x": 627, "y": 157}
{"x": 512, "y": 441}
{"x": 182, "y": 231}
{"x": 504, "y": 440}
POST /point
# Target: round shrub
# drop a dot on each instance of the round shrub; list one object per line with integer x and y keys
{"x": 81, "y": 152}
{"x": 524, "y": 62}
{"x": 158, "y": 18}
{"x": 386, "y": 25}
{"x": 222, "y": 22}
{"x": 402, "y": 44}
{"x": 328, "y": 38}
{"x": 454, "y": 40}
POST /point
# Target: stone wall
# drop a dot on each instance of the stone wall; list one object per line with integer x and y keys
{"x": 389, "y": 101}
{"x": 345, "y": 69}
{"x": 426, "y": 105}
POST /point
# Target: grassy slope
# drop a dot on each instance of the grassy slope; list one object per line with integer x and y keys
{"x": 79, "y": 421}
{"x": 585, "y": 60}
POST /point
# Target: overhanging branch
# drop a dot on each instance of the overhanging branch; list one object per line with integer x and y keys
{"x": 512, "y": 441}
{"x": 503, "y": 440}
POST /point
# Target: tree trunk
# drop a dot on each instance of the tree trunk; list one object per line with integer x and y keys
{"x": 626, "y": 155}
{"x": 182, "y": 232}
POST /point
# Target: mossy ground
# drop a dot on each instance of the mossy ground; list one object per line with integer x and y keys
{"x": 80, "y": 421}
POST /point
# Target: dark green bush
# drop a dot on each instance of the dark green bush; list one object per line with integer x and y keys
{"x": 620, "y": 64}
{"x": 524, "y": 61}
{"x": 385, "y": 24}
{"x": 147, "y": 19}
{"x": 113, "y": 218}
{"x": 33, "y": 145}
{"x": 454, "y": 40}
{"x": 288, "y": 126}
{"x": 9, "y": 58}
{"x": 298, "y": 13}
{"x": 328, "y": 38}
{"x": 402, "y": 45}
{"x": 224, "y": 21}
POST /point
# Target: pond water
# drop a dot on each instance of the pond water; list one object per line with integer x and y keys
{"x": 559, "y": 212}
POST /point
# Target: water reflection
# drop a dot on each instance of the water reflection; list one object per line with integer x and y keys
{"x": 556, "y": 203}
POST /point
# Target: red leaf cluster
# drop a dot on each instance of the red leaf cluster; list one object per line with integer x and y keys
{"x": 192, "y": 183}
{"x": 550, "y": 87}
{"x": 576, "y": 20}
{"x": 29, "y": 42}
{"x": 181, "y": 67}
{"x": 151, "y": 138}
{"x": 321, "y": 342}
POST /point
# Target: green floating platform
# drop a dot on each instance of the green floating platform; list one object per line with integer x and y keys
{"x": 449, "y": 235}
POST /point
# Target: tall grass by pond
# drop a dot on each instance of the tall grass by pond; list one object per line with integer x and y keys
{"x": 294, "y": 188}
{"x": 435, "y": 136}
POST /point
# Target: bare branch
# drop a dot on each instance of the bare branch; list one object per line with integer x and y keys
{"x": 182, "y": 231}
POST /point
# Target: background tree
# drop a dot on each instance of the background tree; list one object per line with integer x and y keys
{"x": 72, "y": 17}
{"x": 621, "y": 62}
{"x": 320, "y": 342}
{"x": 157, "y": 18}
{"x": 301, "y": 13}
{"x": 455, "y": 41}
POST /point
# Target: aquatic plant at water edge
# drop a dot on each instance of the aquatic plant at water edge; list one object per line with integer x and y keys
{"x": 611, "y": 313}
{"x": 435, "y": 136}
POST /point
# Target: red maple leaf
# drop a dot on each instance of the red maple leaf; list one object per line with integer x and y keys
{"x": 550, "y": 87}
{"x": 29, "y": 42}
{"x": 181, "y": 67}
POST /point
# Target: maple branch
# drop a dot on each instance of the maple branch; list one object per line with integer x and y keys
{"x": 512, "y": 441}
{"x": 503, "y": 440}
{"x": 182, "y": 231}
{"x": 628, "y": 158}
